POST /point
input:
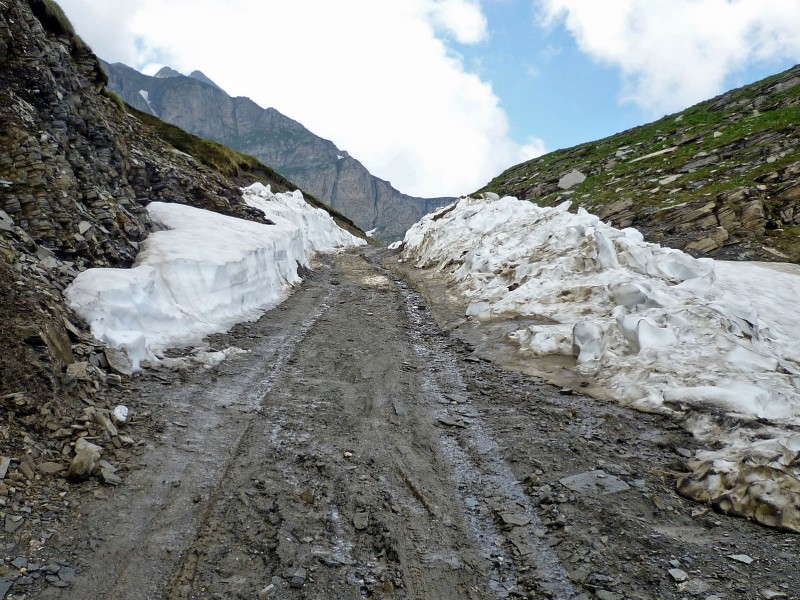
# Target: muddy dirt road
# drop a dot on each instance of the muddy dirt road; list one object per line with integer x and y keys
{"x": 356, "y": 451}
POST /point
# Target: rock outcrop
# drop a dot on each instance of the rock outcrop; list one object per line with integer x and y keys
{"x": 197, "y": 104}
{"x": 718, "y": 179}
{"x": 76, "y": 172}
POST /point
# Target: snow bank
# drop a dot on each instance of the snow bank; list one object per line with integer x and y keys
{"x": 203, "y": 273}
{"x": 657, "y": 329}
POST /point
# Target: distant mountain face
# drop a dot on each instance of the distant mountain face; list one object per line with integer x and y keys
{"x": 198, "y": 105}
{"x": 718, "y": 179}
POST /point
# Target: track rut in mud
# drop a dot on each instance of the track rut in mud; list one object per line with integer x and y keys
{"x": 357, "y": 451}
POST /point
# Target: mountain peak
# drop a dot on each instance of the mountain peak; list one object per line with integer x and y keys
{"x": 200, "y": 76}
{"x": 167, "y": 72}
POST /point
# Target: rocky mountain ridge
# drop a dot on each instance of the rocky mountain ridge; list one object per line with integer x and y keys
{"x": 717, "y": 179}
{"x": 197, "y": 104}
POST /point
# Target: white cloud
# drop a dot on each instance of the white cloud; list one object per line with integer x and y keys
{"x": 375, "y": 77}
{"x": 534, "y": 148}
{"x": 464, "y": 19}
{"x": 674, "y": 53}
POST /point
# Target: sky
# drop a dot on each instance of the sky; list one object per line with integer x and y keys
{"x": 440, "y": 96}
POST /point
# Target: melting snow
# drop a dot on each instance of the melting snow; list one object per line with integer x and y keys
{"x": 203, "y": 273}
{"x": 657, "y": 329}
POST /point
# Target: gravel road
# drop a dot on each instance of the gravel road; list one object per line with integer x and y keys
{"x": 358, "y": 451}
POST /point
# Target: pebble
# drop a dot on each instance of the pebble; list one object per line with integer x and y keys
{"x": 13, "y": 522}
{"x": 67, "y": 574}
{"x": 298, "y": 578}
{"x": 514, "y": 519}
{"x": 678, "y": 575}
{"x": 361, "y": 520}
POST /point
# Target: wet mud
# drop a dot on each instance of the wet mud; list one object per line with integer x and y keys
{"x": 362, "y": 448}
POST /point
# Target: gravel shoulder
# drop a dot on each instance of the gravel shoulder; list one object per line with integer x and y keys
{"x": 359, "y": 451}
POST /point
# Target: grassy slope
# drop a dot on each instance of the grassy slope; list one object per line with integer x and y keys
{"x": 746, "y": 136}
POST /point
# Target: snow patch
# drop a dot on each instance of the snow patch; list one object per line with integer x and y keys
{"x": 203, "y": 273}
{"x": 146, "y": 95}
{"x": 655, "y": 328}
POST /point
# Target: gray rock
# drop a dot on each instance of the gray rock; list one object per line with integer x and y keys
{"x": 678, "y": 575}
{"x": 298, "y": 578}
{"x": 361, "y": 520}
{"x": 13, "y": 523}
{"x": 571, "y": 179}
{"x": 695, "y": 587}
{"x": 595, "y": 482}
{"x": 20, "y": 562}
{"x": 5, "y": 462}
{"x": 67, "y": 574}
{"x": 514, "y": 519}
{"x": 86, "y": 457}
{"x": 118, "y": 361}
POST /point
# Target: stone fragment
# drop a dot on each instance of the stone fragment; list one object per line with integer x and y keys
{"x": 298, "y": 578}
{"x": 101, "y": 418}
{"x": 86, "y": 457}
{"x": 678, "y": 575}
{"x": 50, "y": 468}
{"x": 741, "y": 558}
{"x": 108, "y": 474}
{"x": 595, "y": 482}
{"x": 571, "y": 179}
{"x": 361, "y": 520}
{"x": 67, "y": 574}
{"x": 450, "y": 422}
{"x": 13, "y": 522}
{"x": 695, "y": 587}
{"x": 118, "y": 361}
{"x": 20, "y": 563}
{"x": 5, "y": 462}
{"x": 78, "y": 371}
{"x": 26, "y": 470}
{"x": 268, "y": 591}
{"x": 514, "y": 519}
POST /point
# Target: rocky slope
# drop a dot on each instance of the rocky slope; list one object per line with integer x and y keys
{"x": 76, "y": 171}
{"x": 196, "y": 104}
{"x": 718, "y": 179}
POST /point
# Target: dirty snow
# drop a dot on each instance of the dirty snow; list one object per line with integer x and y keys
{"x": 710, "y": 342}
{"x": 202, "y": 273}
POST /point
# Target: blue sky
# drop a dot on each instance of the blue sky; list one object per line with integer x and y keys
{"x": 439, "y": 96}
{"x": 552, "y": 90}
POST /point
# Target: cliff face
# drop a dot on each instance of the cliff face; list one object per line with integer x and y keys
{"x": 76, "y": 170}
{"x": 196, "y": 104}
{"x": 718, "y": 179}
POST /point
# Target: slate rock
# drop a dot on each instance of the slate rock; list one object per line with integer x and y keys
{"x": 118, "y": 361}
{"x": 595, "y": 482}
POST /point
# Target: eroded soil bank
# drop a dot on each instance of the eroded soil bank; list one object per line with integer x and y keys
{"x": 357, "y": 451}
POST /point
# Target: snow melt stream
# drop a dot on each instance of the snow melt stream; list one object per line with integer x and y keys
{"x": 203, "y": 272}
{"x": 713, "y": 344}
